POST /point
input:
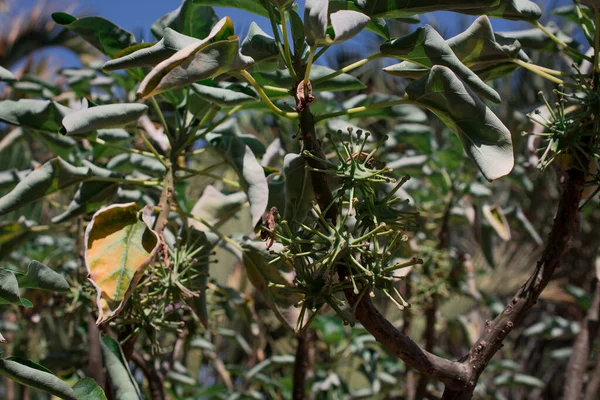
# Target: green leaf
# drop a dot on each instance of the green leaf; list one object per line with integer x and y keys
{"x": 6, "y": 75}
{"x": 203, "y": 244}
{"x": 90, "y": 195}
{"x": 39, "y": 276}
{"x": 150, "y": 54}
{"x": 88, "y": 389}
{"x": 59, "y": 145}
{"x": 55, "y": 175}
{"x": 426, "y": 47}
{"x": 478, "y": 49}
{"x": 252, "y": 177}
{"x": 535, "y": 39}
{"x": 41, "y": 115}
{"x": 119, "y": 246}
{"x": 34, "y": 375}
{"x": 508, "y": 9}
{"x": 261, "y": 272}
{"x": 252, "y": 6}
{"x": 9, "y": 288}
{"x": 123, "y": 383}
{"x": 331, "y": 328}
{"x": 215, "y": 207}
{"x": 102, "y": 34}
{"x": 517, "y": 10}
{"x": 206, "y": 59}
{"x": 191, "y": 19}
{"x": 13, "y": 234}
{"x": 100, "y": 117}
{"x": 223, "y": 97}
{"x": 259, "y": 45}
{"x": 484, "y": 137}
{"x": 346, "y": 24}
{"x": 406, "y": 113}
{"x": 315, "y": 21}
{"x": 11, "y": 177}
{"x": 129, "y": 162}
{"x": 282, "y": 78}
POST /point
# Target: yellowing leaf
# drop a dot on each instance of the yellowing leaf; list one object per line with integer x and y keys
{"x": 119, "y": 245}
{"x": 494, "y": 215}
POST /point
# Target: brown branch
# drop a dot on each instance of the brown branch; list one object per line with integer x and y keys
{"x": 95, "y": 370}
{"x": 593, "y": 387}
{"x": 432, "y": 308}
{"x": 496, "y": 331}
{"x": 301, "y": 365}
{"x": 154, "y": 379}
{"x": 581, "y": 349}
{"x": 452, "y": 374}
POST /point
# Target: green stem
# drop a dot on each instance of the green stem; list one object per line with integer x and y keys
{"x": 163, "y": 121}
{"x": 287, "y": 55}
{"x": 348, "y": 68}
{"x": 356, "y": 110}
{"x": 311, "y": 56}
{"x": 202, "y": 171}
{"x": 534, "y": 68}
{"x": 216, "y": 124}
{"x": 321, "y": 51}
{"x": 125, "y": 149}
{"x": 152, "y": 148}
{"x": 560, "y": 42}
{"x": 266, "y": 99}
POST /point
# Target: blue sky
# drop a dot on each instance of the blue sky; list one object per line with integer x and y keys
{"x": 137, "y": 16}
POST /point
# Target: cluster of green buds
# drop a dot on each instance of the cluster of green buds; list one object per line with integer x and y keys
{"x": 363, "y": 243}
{"x": 568, "y": 128}
{"x": 172, "y": 294}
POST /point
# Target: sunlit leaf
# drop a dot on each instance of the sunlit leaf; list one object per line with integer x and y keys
{"x": 215, "y": 207}
{"x": 6, "y": 75}
{"x": 214, "y": 55}
{"x": 346, "y": 24}
{"x": 101, "y": 117}
{"x": 123, "y": 384}
{"x": 496, "y": 218}
{"x": 34, "y": 375}
{"x": 119, "y": 246}
{"x": 484, "y": 137}
{"x": 90, "y": 195}
{"x": 252, "y": 177}
{"x": 223, "y": 97}
{"x": 315, "y": 21}
{"x": 191, "y": 19}
{"x": 508, "y": 9}
{"x": 41, "y": 115}
{"x": 102, "y": 34}
{"x": 259, "y": 45}
{"x": 426, "y": 47}
{"x": 478, "y": 49}
{"x": 149, "y": 54}
{"x": 55, "y": 175}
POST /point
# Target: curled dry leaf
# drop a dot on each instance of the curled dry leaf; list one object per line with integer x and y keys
{"x": 119, "y": 246}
